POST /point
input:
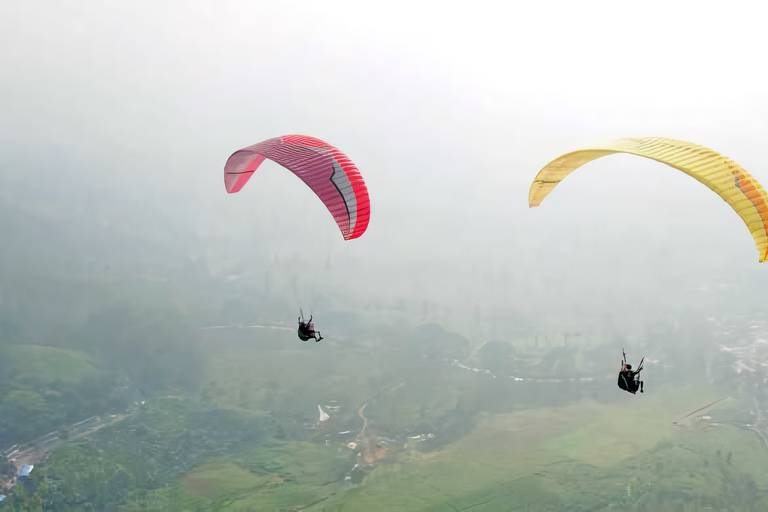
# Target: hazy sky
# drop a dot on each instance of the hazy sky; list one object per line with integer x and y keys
{"x": 449, "y": 110}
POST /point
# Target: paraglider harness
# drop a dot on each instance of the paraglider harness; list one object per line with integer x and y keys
{"x": 629, "y": 380}
{"x": 307, "y": 330}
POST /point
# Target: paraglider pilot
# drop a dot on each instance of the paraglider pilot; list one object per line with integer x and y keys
{"x": 307, "y": 330}
{"x": 629, "y": 380}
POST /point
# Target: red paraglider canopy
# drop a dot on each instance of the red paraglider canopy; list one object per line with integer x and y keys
{"x": 327, "y": 171}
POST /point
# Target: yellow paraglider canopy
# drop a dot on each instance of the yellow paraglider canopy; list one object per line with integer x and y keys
{"x": 719, "y": 173}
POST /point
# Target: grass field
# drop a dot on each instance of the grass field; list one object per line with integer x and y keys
{"x": 586, "y": 456}
{"x": 251, "y": 441}
{"x": 48, "y": 364}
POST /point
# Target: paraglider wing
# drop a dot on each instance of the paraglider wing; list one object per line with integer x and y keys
{"x": 325, "y": 169}
{"x": 721, "y": 174}
{"x": 26, "y": 469}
